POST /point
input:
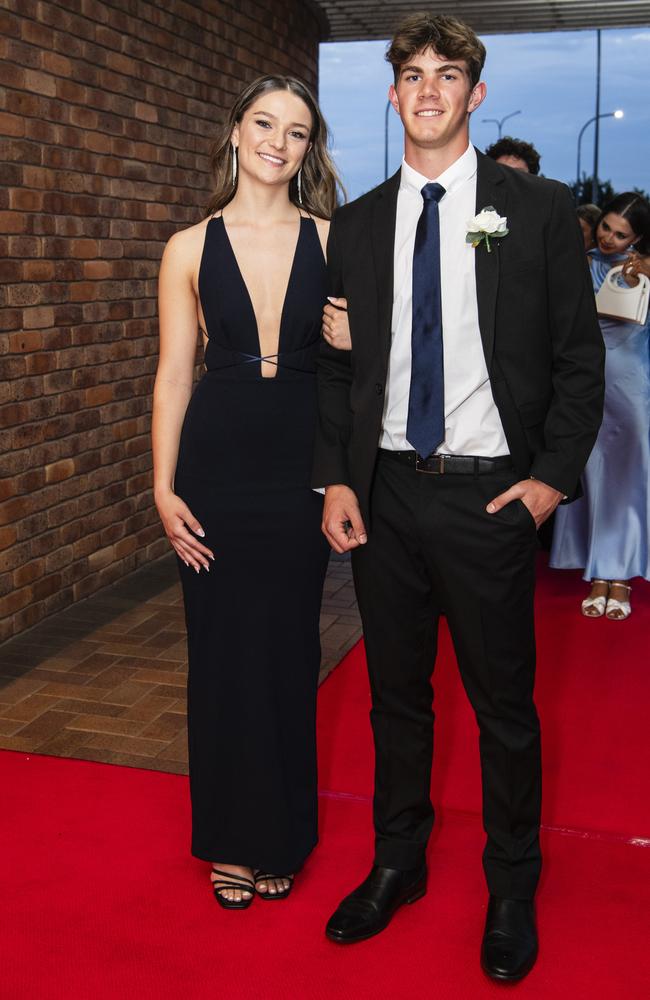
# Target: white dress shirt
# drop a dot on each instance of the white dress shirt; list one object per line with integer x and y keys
{"x": 472, "y": 422}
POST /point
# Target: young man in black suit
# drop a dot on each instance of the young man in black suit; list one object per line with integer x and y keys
{"x": 464, "y": 413}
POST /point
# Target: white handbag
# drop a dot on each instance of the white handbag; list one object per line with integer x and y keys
{"x": 616, "y": 300}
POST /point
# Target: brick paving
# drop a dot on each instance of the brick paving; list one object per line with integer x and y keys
{"x": 104, "y": 680}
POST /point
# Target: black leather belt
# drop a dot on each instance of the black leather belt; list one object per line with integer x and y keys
{"x": 455, "y": 465}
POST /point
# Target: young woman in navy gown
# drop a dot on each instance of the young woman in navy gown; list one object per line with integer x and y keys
{"x": 232, "y": 463}
{"x": 606, "y": 532}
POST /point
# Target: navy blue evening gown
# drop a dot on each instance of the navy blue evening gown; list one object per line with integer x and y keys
{"x": 252, "y": 621}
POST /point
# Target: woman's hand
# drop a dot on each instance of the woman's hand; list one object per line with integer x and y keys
{"x": 634, "y": 266}
{"x": 336, "y": 329}
{"x": 177, "y": 518}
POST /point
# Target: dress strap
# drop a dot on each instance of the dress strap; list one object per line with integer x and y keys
{"x": 272, "y": 359}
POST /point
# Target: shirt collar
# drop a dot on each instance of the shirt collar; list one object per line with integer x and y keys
{"x": 461, "y": 170}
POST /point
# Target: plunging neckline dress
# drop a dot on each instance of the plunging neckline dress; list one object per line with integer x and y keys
{"x": 244, "y": 470}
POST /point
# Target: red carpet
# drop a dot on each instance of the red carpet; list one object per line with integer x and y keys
{"x": 101, "y": 900}
{"x": 593, "y": 696}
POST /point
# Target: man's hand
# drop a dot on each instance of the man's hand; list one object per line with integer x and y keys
{"x": 342, "y": 524}
{"x": 540, "y": 499}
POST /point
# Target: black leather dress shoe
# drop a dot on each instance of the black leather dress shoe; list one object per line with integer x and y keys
{"x": 509, "y": 945}
{"x": 369, "y": 909}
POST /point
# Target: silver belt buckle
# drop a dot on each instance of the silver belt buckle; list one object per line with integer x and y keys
{"x": 431, "y": 472}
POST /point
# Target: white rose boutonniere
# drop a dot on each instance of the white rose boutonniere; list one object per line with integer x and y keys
{"x": 487, "y": 225}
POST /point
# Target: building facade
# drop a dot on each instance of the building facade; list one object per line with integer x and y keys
{"x": 107, "y": 112}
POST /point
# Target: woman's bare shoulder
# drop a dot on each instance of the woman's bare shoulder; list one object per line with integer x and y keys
{"x": 184, "y": 245}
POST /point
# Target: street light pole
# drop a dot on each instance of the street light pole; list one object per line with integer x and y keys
{"x": 595, "y": 118}
{"x": 594, "y": 179}
{"x": 499, "y": 121}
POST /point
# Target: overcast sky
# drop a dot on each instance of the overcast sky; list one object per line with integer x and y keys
{"x": 549, "y": 77}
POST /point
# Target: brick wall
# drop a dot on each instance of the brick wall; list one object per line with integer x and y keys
{"x": 106, "y": 112}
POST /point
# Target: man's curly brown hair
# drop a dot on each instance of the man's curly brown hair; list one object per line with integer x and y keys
{"x": 446, "y": 35}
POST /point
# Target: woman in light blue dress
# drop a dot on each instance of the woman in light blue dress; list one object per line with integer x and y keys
{"x": 606, "y": 532}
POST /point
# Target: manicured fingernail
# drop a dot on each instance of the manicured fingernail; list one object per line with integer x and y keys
{"x": 186, "y": 563}
{"x": 198, "y": 569}
{"x": 212, "y": 557}
{"x": 363, "y": 539}
{"x": 490, "y": 508}
{"x": 200, "y": 532}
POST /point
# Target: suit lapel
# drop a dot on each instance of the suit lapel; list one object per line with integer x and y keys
{"x": 384, "y": 214}
{"x": 490, "y": 191}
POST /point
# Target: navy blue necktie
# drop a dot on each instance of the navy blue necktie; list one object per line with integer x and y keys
{"x": 425, "y": 428}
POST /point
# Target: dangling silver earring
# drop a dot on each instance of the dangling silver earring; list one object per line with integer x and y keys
{"x": 234, "y": 165}
{"x": 300, "y": 186}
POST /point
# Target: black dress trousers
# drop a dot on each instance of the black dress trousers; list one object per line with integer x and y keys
{"x": 433, "y": 546}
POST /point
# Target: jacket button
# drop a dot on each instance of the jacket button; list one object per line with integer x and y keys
{"x": 379, "y": 388}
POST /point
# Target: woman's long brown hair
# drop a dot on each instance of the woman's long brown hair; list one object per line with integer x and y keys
{"x": 320, "y": 182}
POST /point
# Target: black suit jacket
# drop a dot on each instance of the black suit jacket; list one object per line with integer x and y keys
{"x": 537, "y": 317}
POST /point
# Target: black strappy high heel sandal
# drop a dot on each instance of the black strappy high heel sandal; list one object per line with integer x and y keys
{"x": 261, "y": 876}
{"x": 230, "y": 881}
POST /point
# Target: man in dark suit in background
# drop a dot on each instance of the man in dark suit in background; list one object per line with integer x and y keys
{"x": 464, "y": 413}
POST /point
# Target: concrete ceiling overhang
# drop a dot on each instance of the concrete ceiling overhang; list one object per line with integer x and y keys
{"x": 356, "y": 20}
